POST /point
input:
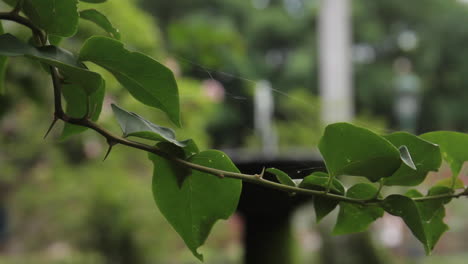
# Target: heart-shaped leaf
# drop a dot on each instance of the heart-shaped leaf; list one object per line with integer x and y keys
{"x": 354, "y": 218}
{"x": 425, "y": 155}
{"x": 71, "y": 69}
{"x": 281, "y": 176}
{"x": 454, "y": 148}
{"x": 146, "y": 79}
{"x": 193, "y": 208}
{"x": 424, "y": 218}
{"x": 101, "y": 20}
{"x": 352, "y": 150}
{"x": 134, "y": 125}
{"x": 55, "y": 17}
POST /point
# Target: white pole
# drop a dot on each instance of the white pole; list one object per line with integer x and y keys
{"x": 334, "y": 31}
{"x": 263, "y": 113}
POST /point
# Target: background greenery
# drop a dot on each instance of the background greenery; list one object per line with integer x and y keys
{"x": 58, "y": 206}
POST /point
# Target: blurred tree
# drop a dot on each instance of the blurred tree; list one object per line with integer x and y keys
{"x": 253, "y": 40}
{"x": 275, "y": 40}
{"x": 433, "y": 38}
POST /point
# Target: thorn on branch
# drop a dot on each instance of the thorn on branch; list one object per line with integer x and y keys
{"x": 111, "y": 144}
{"x": 260, "y": 176}
{"x": 51, "y": 126}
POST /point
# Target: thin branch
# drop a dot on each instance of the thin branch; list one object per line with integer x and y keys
{"x": 57, "y": 92}
{"x": 252, "y": 178}
{"x": 18, "y": 7}
{"x": 42, "y": 40}
{"x": 25, "y": 22}
{"x": 245, "y": 177}
{"x": 441, "y": 196}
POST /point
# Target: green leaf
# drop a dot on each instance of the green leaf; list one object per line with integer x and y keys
{"x": 438, "y": 190}
{"x": 57, "y": 17}
{"x": 281, "y": 176}
{"x": 55, "y": 40}
{"x": 319, "y": 181}
{"x": 448, "y": 182}
{"x": 352, "y": 150}
{"x": 3, "y": 66}
{"x": 77, "y": 106}
{"x": 425, "y": 155}
{"x": 354, "y": 218}
{"x": 323, "y": 206}
{"x": 146, "y": 79}
{"x": 193, "y": 208}
{"x": 134, "y": 125}
{"x": 454, "y": 148}
{"x": 429, "y": 207}
{"x": 180, "y": 172}
{"x": 190, "y": 148}
{"x": 406, "y": 208}
{"x": 424, "y": 219}
{"x": 71, "y": 69}
{"x": 363, "y": 191}
{"x": 406, "y": 157}
{"x": 101, "y": 20}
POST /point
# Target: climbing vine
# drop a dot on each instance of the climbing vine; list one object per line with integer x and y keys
{"x": 194, "y": 188}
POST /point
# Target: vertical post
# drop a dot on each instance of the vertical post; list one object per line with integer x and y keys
{"x": 263, "y": 118}
{"x": 334, "y": 34}
{"x": 269, "y": 239}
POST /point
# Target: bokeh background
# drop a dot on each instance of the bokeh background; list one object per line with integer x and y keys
{"x": 251, "y": 81}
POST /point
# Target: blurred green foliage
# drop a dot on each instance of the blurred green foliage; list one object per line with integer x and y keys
{"x": 250, "y": 43}
{"x": 61, "y": 205}
{"x": 279, "y": 43}
{"x": 437, "y": 57}
{"x": 77, "y": 215}
{"x": 138, "y": 29}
